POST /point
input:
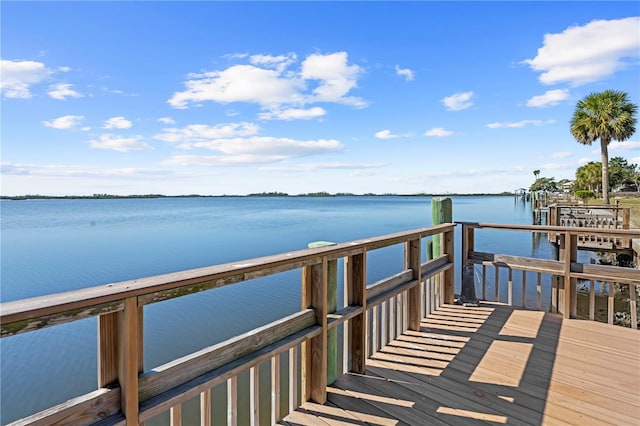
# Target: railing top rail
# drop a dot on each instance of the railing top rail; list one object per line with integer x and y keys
{"x": 590, "y": 207}
{"x": 87, "y": 298}
{"x": 633, "y": 233}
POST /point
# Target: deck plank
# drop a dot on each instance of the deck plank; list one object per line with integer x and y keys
{"x": 492, "y": 364}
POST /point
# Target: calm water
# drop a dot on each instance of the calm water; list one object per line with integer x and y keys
{"x": 50, "y": 246}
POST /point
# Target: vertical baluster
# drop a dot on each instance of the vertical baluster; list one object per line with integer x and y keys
{"x": 293, "y": 378}
{"x": 539, "y": 292}
{"x": 524, "y": 289}
{"x": 497, "y": 272}
{"x": 610, "y": 303}
{"x": 484, "y": 282}
{"x": 176, "y": 415}
{"x": 399, "y": 314}
{"x": 392, "y": 319}
{"x": 592, "y": 300}
{"x": 205, "y": 408}
{"x": 633, "y": 307}
{"x": 510, "y": 288}
{"x": 254, "y": 395}
{"x": 232, "y": 401}
{"x": 374, "y": 330}
{"x": 384, "y": 321}
{"x": 275, "y": 389}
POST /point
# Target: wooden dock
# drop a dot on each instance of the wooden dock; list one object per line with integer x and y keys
{"x": 494, "y": 364}
{"x": 409, "y": 356}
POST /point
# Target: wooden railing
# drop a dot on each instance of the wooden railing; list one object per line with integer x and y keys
{"x": 130, "y": 395}
{"x": 563, "y": 272}
{"x": 595, "y": 217}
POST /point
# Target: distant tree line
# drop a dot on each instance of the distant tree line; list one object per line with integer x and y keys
{"x": 623, "y": 176}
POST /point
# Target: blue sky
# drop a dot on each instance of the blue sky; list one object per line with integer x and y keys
{"x": 234, "y": 98}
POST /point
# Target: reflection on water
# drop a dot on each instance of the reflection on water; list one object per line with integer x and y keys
{"x": 50, "y": 246}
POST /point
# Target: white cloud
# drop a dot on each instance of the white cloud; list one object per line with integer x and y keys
{"x": 240, "y": 83}
{"x": 280, "y": 62}
{"x": 79, "y": 171}
{"x": 438, "y": 132}
{"x": 405, "y": 72}
{"x": 550, "y": 97}
{"x": 312, "y": 167}
{"x": 624, "y": 146}
{"x": 519, "y": 124}
{"x": 117, "y": 123}
{"x": 253, "y": 150}
{"x": 120, "y": 144}
{"x": 196, "y": 133}
{"x": 270, "y": 146}
{"x": 458, "y": 101}
{"x": 329, "y": 76}
{"x": 18, "y": 76}
{"x": 62, "y": 91}
{"x": 385, "y": 134}
{"x": 335, "y": 76}
{"x": 293, "y": 114}
{"x": 166, "y": 120}
{"x": 64, "y": 122}
{"x": 583, "y": 54}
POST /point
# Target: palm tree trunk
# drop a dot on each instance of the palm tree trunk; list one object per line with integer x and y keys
{"x": 604, "y": 150}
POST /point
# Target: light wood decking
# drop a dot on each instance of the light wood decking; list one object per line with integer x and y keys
{"x": 493, "y": 364}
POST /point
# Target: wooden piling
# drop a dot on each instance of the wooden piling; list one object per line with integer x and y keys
{"x": 441, "y": 212}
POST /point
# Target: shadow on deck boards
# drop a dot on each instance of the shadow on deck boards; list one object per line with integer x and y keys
{"x": 493, "y": 364}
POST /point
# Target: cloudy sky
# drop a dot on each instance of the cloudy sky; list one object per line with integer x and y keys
{"x": 236, "y": 98}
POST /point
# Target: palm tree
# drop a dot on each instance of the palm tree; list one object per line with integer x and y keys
{"x": 607, "y": 116}
{"x": 536, "y": 173}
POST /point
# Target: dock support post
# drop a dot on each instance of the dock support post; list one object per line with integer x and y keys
{"x": 413, "y": 259}
{"x": 569, "y": 254}
{"x": 356, "y": 284}
{"x": 449, "y": 277}
{"x": 332, "y": 306}
{"x": 468, "y": 292}
{"x": 120, "y": 354}
{"x": 314, "y": 351}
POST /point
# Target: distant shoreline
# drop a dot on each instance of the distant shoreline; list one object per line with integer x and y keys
{"x": 262, "y": 194}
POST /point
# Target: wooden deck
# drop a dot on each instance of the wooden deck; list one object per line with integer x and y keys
{"x": 493, "y": 364}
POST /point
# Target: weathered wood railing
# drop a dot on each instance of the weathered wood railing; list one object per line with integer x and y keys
{"x": 596, "y": 217}
{"x": 129, "y": 395}
{"x": 564, "y": 272}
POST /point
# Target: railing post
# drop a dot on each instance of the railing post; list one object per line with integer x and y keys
{"x": 626, "y": 216}
{"x": 414, "y": 302}
{"x": 559, "y": 280}
{"x": 569, "y": 255}
{"x": 332, "y": 306}
{"x": 314, "y": 352}
{"x": 120, "y": 354}
{"x": 468, "y": 291}
{"x": 356, "y": 285}
{"x": 449, "y": 273}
